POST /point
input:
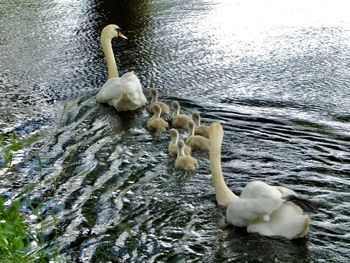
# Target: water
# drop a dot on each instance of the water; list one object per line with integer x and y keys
{"x": 276, "y": 75}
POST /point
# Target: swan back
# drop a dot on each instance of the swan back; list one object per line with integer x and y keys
{"x": 287, "y": 221}
{"x": 113, "y": 90}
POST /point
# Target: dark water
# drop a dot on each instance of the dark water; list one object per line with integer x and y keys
{"x": 276, "y": 75}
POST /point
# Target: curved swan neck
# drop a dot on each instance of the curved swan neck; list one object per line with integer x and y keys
{"x": 197, "y": 120}
{"x": 106, "y": 43}
{"x": 180, "y": 150}
{"x": 192, "y": 128}
{"x": 174, "y": 139}
{"x": 176, "y": 108}
{"x": 154, "y": 97}
{"x": 156, "y": 113}
{"x": 224, "y": 195}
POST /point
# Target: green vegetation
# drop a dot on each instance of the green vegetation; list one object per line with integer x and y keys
{"x": 8, "y": 145}
{"x": 18, "y": 243}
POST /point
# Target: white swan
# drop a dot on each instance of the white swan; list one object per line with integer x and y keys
{"x": 123, "y": 93}
{"x": 264, "y": 209}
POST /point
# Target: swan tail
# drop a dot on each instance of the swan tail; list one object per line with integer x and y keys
{"x": 305, "y": 204}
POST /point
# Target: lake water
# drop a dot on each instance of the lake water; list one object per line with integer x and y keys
{"x": 276, "y": 74}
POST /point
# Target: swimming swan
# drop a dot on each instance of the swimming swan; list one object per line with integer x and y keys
{"x": 123, "y": 93}
{"x": 172, "y": 149}
{"x": 264, "y": 209}
{"x": 179, "y": 120}
{"x": 183, "y": 161}
{"x": 202, "y": 130}
{"x": 196, "y": 142}
{"x": 156, "y": 123}
{"x": 154, "y": 100}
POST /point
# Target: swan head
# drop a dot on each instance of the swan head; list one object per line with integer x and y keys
{"x": 112, "y": 31}
{"x": 196, "y": 117}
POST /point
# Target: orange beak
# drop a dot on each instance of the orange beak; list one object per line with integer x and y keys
{"x": 121, "y": 35}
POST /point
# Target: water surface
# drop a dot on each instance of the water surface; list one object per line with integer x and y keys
{"x": 276, "y": 75}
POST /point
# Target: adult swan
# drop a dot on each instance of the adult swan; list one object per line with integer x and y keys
{"x": 123, "y": 93}
{"x": 264, "y": 209}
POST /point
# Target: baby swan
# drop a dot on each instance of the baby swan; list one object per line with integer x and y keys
{"x": 185, "y": 162}
{"x": 156, "y": 123}
{"x": 200, "y": 129}
{"x": 179, "y": 120}
{"x": 172, "y": 149}
{"x": 154, "y": 100}
{"x": 196, "y": 142}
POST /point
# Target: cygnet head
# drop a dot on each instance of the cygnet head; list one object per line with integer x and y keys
{"x": 175, "y": 105}
{"x": 180, "y": 145}
{"x": 154, "y": 92}
{"x": 111, "y": 31}
{"x": 156, "y": 109}
{"x": 190, "y": 124}
{"x": 196, "y": 117}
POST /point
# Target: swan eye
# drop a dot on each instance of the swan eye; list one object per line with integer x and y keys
{"x": 118, "y": 29}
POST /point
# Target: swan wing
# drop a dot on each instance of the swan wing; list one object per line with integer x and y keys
{"x": 115, "y": 87}
{"x": 287, "y": 221}
{"x": 257, "y": 200}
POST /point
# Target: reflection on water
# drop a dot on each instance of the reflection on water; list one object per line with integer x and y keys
{"x": 276, "y": 75}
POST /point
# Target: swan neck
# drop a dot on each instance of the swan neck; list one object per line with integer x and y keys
{"x": 153, "y": 100}
{"x": 109, "y": 55}
{"x": 174, "y": 139}
{"x": 192, "y": 130}
{"x": 176, "y": 112}
{"x": 181, "y": 151}
{"x": 197, "y": 121}
{"x": 224, "y": 196}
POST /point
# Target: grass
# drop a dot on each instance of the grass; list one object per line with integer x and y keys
{"x": 18, "y": 242}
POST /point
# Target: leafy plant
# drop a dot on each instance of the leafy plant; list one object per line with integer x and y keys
{"x": 16, "y": 238}
{"x": 9, "y": 144}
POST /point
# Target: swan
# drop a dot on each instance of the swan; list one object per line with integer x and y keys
{"x": 183, "y": 161}
{"x": 200, "y": 129}
{"x": 156, "y": 123}
{"x": 172, "y": 149}
{"x": 154, "y": 100}
{"x": 123, "y": 93}
{"x": 179, "y": 120}
{"x": 196, "y": 142}
{"x": 263, "y": 209}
